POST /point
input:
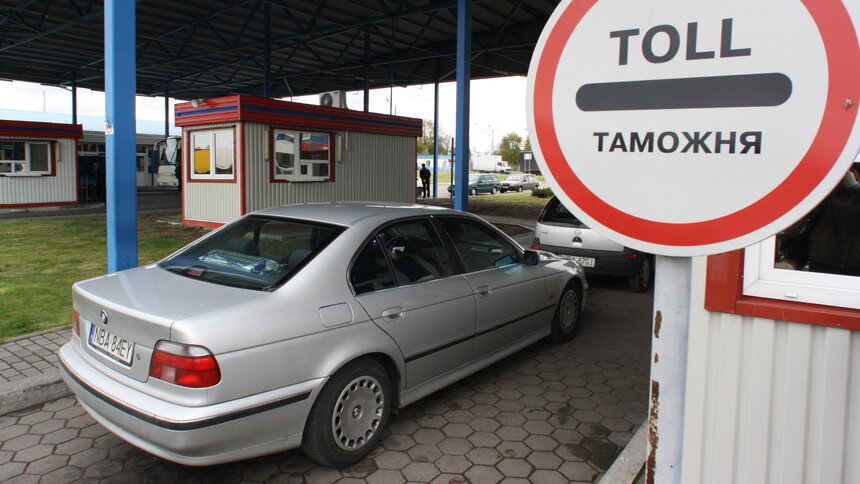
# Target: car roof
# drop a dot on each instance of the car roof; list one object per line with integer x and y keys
{"x": 349, "y": 213}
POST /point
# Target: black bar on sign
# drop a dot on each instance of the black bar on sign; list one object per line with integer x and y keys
{"x": 746, "y": 90}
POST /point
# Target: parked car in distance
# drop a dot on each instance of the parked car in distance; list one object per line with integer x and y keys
{"x": 305, "y": 326}
{"x": 562, "y": 233}
{"x": 518, "y": 183}
{"x": 481, "y": 183}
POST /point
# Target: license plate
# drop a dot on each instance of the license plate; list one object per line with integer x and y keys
{"x": 111, "y": 344}
{"x": 585, "y": 261}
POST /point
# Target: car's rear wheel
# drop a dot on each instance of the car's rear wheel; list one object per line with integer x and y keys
{"x": 349, "y": 415}
{"x": 520, "y": 188}
{"x": 566, "y": 316}
{"x": 493, "y": 191}
{"x": 641, "y": 281}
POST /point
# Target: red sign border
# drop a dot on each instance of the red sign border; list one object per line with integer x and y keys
{"x": 843, "y": 58}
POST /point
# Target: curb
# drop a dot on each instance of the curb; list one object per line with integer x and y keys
{"x": 31, "y": 391}
{"x": 627, "y": 465}
{"x": 37, "y": 333}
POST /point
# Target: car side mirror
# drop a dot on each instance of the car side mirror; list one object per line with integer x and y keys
{"x": 530, "y": 258}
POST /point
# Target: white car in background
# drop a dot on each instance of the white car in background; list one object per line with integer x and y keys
{"x": 559, "y": 231}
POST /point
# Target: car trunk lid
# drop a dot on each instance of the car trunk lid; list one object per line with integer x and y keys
{"x": 574, "y": 236}
{"x": 124, "y": 314}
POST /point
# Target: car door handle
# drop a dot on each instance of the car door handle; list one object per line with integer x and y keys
{"x": 392, "y": 314}
{"x": 484, "y": 290}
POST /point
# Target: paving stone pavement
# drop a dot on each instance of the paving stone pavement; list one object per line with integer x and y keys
{"x": 550, "y": 413}
{"x": 31, "y": 355}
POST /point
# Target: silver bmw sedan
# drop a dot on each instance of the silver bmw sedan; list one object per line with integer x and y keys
{"x": 304, "y": 326}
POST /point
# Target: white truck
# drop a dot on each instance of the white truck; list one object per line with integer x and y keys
{"x": 483, "y": 162}
{"x": 168, "y": 155}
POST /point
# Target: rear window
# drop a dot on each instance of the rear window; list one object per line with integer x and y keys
{"x": 555, "y": 212}
{"x": 258, "y": 253}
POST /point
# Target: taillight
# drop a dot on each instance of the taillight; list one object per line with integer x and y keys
{"x": 76, "y": 323}
{"x": 535, "y": 247}
{"x": 629, "y": 256}
{"x": 184, "y": 365}
{"x": 540, "y": 219}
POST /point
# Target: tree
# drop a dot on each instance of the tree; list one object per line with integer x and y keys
{"x": 425, "y": 142}
{"x": 528, "y": 145}
{"x": 509, "y": 148}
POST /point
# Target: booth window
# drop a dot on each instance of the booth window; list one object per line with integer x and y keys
{"x": 213, "y": 154}
{"x": 809, "y": 273}
{"x": 301, "y": 156}
{"x": 25, "y": 158}
{"x": 768, "y": 275}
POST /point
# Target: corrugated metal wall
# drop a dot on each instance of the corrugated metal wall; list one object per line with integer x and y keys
{"x": 375, "y": 167}
{"x": 212, "y": 201}
{"x": 769, "y": 401}
{"x": 27, "y": 190}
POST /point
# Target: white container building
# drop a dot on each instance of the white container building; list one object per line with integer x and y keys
{"x": 244, "y": 153}
{"x": 38, "y": 164}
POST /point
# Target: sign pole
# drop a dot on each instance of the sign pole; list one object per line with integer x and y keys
{"x": 668, "y": 369}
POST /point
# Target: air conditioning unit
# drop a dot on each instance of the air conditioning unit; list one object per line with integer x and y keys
{"x": 334, "y": 99}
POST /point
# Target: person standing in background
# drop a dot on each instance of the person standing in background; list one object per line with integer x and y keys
{"x": 834, "y": 237}
{"x": 425, "y": 181}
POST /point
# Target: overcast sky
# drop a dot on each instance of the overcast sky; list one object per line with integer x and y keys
{"x": 497, "y": 105}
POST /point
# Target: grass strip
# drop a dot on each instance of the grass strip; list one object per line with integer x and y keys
{"x": 41, "y": 259}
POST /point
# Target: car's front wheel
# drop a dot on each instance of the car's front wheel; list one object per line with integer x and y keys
{"x": 349, "y": 415}
{"x": 641, "y": 281}
{"x": 520, "y": 188}
{"x": 474, "y": 191}
{"x": 566, "y": 316}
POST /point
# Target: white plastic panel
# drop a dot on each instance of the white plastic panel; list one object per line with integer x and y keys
{"x": 769, "y": 401}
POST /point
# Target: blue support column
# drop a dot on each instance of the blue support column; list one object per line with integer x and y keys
{"x": 436, "y": 139}
{"x": 166, "y": 112}
{"x": 120, "y": 87}
{"x": 464, "y": 75}
{"x": 74, "y": 96}
{"x": 366, "y": 70}
{"x": 267, "y": 51}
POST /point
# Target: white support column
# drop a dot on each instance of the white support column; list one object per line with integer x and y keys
{"x": 668, "y": 369}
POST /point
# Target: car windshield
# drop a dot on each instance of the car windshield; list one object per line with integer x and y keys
{"x": 474, "y": 178}
{"x": 515, "y": 178}
{"x": 254, "y": 252}
{"x": 557, "y": 213}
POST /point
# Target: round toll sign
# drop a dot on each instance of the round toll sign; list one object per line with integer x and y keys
{"x": 690, "y": 128}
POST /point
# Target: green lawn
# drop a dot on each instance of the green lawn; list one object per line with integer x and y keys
{"x": 517, "y": 205}
{"x": 445, "y": 176}
{"x": 41, "y": 259}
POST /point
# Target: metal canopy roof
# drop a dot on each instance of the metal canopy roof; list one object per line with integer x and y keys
{"x": 205, "y": 48}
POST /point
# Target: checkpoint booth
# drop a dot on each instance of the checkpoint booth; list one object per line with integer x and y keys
{"x": 244, "y": 153}
{"x": 38, "y": 164}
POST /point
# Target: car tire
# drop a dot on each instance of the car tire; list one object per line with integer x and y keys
{"x": 493, "y": 191}
{"x": 338, "y": 435}
{"x": 641, "y": 281}
{"x": 519, "y": 188}
{"x": 564, "y": 324}
{"x": 473, "y": 192}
